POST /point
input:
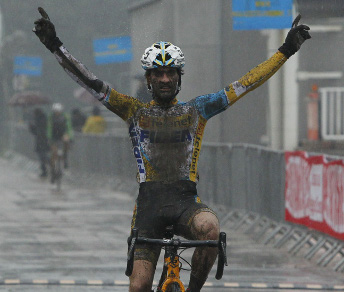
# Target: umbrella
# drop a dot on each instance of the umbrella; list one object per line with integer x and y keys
{"x": 83, "y": 95}
{"x": 28, "y": 98}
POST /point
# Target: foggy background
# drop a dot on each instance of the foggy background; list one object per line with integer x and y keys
{"x": 81, "y": 232}
{"x": 215, "y": 54}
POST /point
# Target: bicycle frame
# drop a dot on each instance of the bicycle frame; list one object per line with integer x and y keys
{"x": 170, "y": 273}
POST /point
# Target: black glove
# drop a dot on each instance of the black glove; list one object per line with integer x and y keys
{"x": 295, "y": 38}
{"x": 45, "y": 30}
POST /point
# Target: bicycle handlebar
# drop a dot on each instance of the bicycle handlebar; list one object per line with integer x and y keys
{"x": 221, "y": 244}
{"x": 177, "y": 242}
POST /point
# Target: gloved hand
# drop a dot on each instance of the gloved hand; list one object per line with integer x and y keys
{"x": 45, "y": 30}
{"x": 295, "y": 38}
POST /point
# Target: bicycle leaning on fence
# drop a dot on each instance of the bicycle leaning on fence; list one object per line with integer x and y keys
{"x": 170, "y": 277}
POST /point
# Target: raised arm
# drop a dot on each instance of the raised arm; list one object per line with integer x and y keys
{"x": 122, "y": 105}
{"x": 257, "y": 76}
{"x": 45, "y": 30}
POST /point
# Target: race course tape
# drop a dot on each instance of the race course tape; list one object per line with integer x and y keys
{"x": 68, "y": 282}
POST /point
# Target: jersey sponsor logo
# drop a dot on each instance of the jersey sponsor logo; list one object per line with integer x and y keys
{"x": 178, "y": 136}
{"x": 147, "y": 122}
{"x": 239, "y": 89}
{"x": 197, "y": 148}
{"x": 106, "y": 95}
{"x": 137, "y": 153}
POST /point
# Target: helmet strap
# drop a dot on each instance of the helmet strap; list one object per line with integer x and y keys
{"x": 149, "y": 87}
{"x": 179, "y": 82}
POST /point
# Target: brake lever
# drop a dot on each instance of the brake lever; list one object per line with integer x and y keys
{"x": 223, "y": 246}
{"x": 131, "y": 249}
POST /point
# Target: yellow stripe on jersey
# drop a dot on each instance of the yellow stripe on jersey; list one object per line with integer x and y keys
{"x": 197, "y": 148}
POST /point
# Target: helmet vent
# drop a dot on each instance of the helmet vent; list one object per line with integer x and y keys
{"x": 162, "y": 54}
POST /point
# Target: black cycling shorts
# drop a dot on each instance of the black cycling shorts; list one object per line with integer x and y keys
{"x": 162, "y": 204}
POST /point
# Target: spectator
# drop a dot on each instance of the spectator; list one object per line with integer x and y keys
{"x": 78, "y": 120}
{"x": 39, "y": 129}
{"x": 95, "y": 124}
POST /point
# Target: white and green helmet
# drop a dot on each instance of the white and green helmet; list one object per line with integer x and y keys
{"x": 162, "y": 54}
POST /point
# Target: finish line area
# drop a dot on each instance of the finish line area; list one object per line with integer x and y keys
{"x": 291, "y": 286}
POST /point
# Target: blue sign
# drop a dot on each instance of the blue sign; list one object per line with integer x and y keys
{"x": 254, "y": 14}
{"x": 24, "y": 65}
{"x": 113, "y": 50}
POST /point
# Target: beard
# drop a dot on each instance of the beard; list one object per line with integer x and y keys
{"x": 164, "y": 93}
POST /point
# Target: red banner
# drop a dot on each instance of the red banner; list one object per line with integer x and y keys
{"x": 314, "y": 192}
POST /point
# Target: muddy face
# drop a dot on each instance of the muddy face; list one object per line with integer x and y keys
{"x": 164, "y": 82}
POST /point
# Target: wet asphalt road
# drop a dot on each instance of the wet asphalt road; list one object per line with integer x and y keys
{"x": 79, "y": 235}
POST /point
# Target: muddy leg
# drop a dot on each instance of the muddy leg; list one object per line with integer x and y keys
{"x": 205, "y": 226}
{"x": 141, "y": 279}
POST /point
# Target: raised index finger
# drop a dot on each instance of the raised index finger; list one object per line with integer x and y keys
{"x": 43, "y": 13}
{"x": 296, "y": 21}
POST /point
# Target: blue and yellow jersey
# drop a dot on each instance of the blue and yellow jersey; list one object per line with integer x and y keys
{"x": 167, "y": 141}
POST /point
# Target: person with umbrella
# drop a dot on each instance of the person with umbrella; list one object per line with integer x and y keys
{"x": 28, "y": 99}
{"x": 39, "y": 129}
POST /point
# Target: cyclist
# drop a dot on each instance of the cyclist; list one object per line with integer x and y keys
{"x": 59, "y": 129}
{"x": 166, "y": 135}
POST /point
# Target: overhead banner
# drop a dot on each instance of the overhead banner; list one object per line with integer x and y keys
{"x": 25, "y": 65}
{"x": 255, "y": 15}
{"x": 112, "y": 50}
{"x": 314, "y": 192}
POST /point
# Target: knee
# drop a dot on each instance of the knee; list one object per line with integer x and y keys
{"x": 206, "y": 226}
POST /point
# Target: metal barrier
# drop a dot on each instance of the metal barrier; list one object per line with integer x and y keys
{"x": 103, "y": 155}
{"x": 297, "y": 240}
{"x": 332, "y": 113}
{"x": 243, "y": 176}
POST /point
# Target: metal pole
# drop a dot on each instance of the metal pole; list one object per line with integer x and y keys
{"x": 274, "y": 111}
{"x": 291, "y": 103}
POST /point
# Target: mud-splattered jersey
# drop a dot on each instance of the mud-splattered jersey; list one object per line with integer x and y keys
{"x": 167, "y": 140}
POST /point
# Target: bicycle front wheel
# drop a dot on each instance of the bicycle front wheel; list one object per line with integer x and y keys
{"x": 174, "y": 287}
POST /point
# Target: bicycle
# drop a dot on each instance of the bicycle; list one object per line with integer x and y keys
{"x": 170, "y": 277}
